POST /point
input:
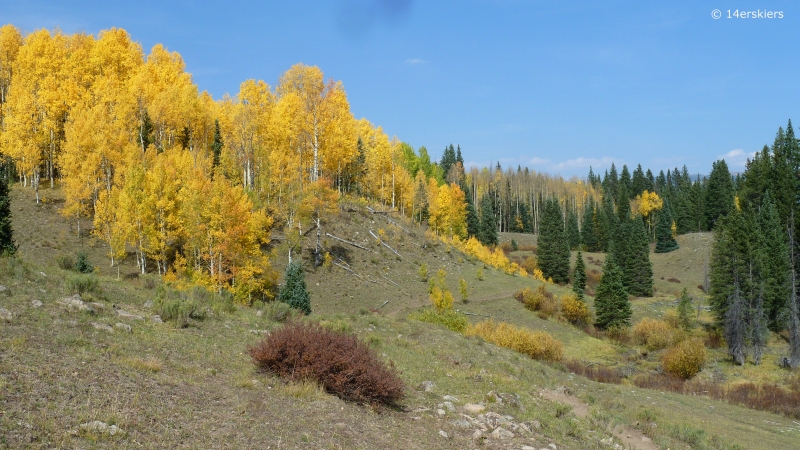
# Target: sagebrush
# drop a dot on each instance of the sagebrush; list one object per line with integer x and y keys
{"x": 536, "y": 344}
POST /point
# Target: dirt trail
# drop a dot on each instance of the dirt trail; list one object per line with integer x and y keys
{"x": 631, "y": 438}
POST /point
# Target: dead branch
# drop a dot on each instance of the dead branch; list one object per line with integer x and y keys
{"x": 369, "y": 278}
{"x": 384, "y": 243}
{"x": 379, "y": 212}
{"x": 390, "y": 281}
{"x": 398, "y": 225}
{"x": 384, "y": 304}
{"x": 472, "y": 314}
{"x": 346, "y": 268}
{"x": 347, "y": 242}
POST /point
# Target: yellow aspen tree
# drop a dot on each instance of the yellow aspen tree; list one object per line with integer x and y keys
{"x": 162, "y": 183}
{"x": 10, "y": 42}
{"x": 133, "y": 216}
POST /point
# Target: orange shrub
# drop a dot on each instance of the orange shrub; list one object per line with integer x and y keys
{"x": 574, "y": 310}
{"x": 655, "y": 334}
{"x": 536, "y": 344}
{"x": 686, "y": 359}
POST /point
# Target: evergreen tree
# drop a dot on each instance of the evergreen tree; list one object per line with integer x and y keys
{"x": 216, "y": 147}
{"x": 773, "y": 263}
{"x": 579, "y": 276}
{"x": 448, "y": 159}
{"x": 639, "y": 267}
{"x": 589, "y": 237}
{"x": 719, "y": 199}
{"x": 573, "y": 233}
{"x": 145, "y": 131}
{"x": 639, "y": 182}
{"x": 625, "y": 180}
{"x": 735, "y": 326}
{"x": 459, "y": 158}
{"x": 553, "y": 244}
{"x": 665, "y": 243}
{"x": 611, "y": 305}
{"x": 473, "y": 224}
{"x": 488, "y": 226}
{"x": 685, "y": 311}
{"x": 7, "y": 245}
{"x": 294, "y": 291}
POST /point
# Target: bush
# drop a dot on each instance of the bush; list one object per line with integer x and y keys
{"x": 536, "y": 344}
{"x": 83, "y": 284}
{"x": 540, "y": 300}
{"x": 65, "y": 262}
{"x": 685, "y": 360}
{"x": 423, "y": 272}
{"x": 179, "y": 306}
{"x": 530, "y": 264}
{"x": 653, "y": 333}
{"x": 574, "y": 310}
{"x": 450, "y": 319}
{"x": 339, "y": 362}
{"x": 82, "y": 263}
{"x": 479, "y": 275}
{"x": 619, "y": 334}
{"x": 294, "y": 291}
{"x": 462, "y": 289}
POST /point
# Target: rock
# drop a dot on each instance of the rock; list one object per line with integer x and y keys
{"x": 607, "y": 441}
{"x": 553, "y": 446}
{"x": 426, "y": 386}
{"x": 148, "y": 304}
{"x": 3, "y": 288}
{"x": 259, "y": 313}
{"x": 126, "y": 315}
{"x": 646, "y": 439}
{"x": 6, "y": 315}
{"x": 528, "y": 447}
{"x": 448, "y": 406}
{"x": 502, "y": 433}
{"x": 101, "y": 428}
{"x": 450, "y": 398}
{"x": 495, "y": 420}
{"x": 535, "y": 425}
{"x": 102, "y": 327}
{"x": 444, "y": 434}
{"x": 474, "y": 408}
{"x": 157, "y": 319}
{"x": 36, "y": 304}
{"x": 96, "y": 306}
{"x": 441, "y": 412}
{"x": 124, "y": 327}
{"x": 525, "y": 427}
{"x": 461, "y": 423}
{"x": 477, "y": 435}
{"x": 74, "y": 302}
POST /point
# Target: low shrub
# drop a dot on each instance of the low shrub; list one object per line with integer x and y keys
{"x": 536, "y": 344}
{"x": 574, "y": 310}
{"x": 83, "y": 284}
{"x": 653, "y": 333}
{"x": 530, "y": 264}
{"x": 65, "y": 262}
{"x": 181, "y": 307}
{"x": 506, "y": 247}
{"x": 448, "y": 318}
{"x": 619, "y": 334}
{"x": 339, "y": 362}
{"x": 671, "y": 318}
{"x": 423, "y": 272}
{"x": 685, "y": 359}
{"x": 673, "y": 280}
{"x": 280, "y": 312}
{"x": 536, "y": 300}
{"x": 594, "y": 372}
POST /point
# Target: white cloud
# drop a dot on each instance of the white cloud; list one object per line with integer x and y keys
{"x": 737, "y": 158}
{"x": 536, "y": 161}
{"x": 584, "y": 163}
{"x": 415, "y": 61}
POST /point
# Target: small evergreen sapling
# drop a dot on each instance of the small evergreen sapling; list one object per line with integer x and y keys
{"x": 685, "y": 310}
{"x": 294, "y": 291}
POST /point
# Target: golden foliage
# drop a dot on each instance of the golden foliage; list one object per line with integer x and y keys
{"x": 653, "y": 333}
{"x": 536, "y": 344}
{"x": 685, "y": 359}
{"x": 574, "y": 310}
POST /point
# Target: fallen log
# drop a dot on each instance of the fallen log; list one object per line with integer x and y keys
{"x": 347, "y": 242}
{"x": 385, "y": 244}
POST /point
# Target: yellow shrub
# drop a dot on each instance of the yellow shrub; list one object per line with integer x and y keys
{"x": 655, "y": 334}
{"x": 574, "y": 310}
{"x": 462, "y": 289}
{"x": 536, "y": 344}
{"x": 671, "y": 317}
{"x": 686, "y": 359}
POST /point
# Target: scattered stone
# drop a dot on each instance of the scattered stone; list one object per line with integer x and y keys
{"x": 148, "y": 304}
{"x": 461, "y": 423}
{"x": 525, "y": 427}
{"x": 450, "y": 398}
{"x": 259, "y": 313}
{"x": 440, "y": 412}
{"x": 444, "y": 434}
{"x": 101, "y": 428}
{"x": 126, "y": 315}
{"x": 477, "y": 435}
{"x": 502, "y": 433}
{"x": 607, "y": 441}
{"x": 259, "y": 332}
{"x": 646, "y": 439}
{"x": 535, "y": 425}
{"x": 449, "y": 406}
{"x": 74, "y": 302}
{"x": 528, "y": 447}
{"x": 495, "y": 420}
{"x": 426, "y": 386}
{"x": 3, "y": 288}
{"x": 124, "y": 327}
{"x": 553, "y": 446}
{"x": 102, "y": 327}
{"x": 43, "y": 274}
{"x": 474, "y": 408}
{"x": 95, "y": 305}
{"x": 157, "y": 319}
{"x": 6, "y": 315}
{"x": 36, "y": 304}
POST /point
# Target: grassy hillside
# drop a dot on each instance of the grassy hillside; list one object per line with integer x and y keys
{"x": 165, "y": 386}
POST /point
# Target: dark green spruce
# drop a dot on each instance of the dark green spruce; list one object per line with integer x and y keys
{"x": 552, "y": 244}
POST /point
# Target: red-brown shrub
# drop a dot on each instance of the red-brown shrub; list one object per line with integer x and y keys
{"x": 673, "y": 280}
{"x": 594, "y": 372}
{"x": 339, "y": 362}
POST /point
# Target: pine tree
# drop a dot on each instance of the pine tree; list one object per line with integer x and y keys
{"x": 611, "y": 305}
{"x": 579, "y": 276}
{"x": 473, "y": 224}
{"x": 735, "y": 326}
{"x": 665, "y": 243}
{"x": 773, "y": 263}
{"x": 589, "y": 237}
{"x": 573, "y": 233}
{"x": 488, "y": 227}
{"x": 685, "y": 311}
{"x": 145, "y": 131}
{"x": 719, "y": 199}
{"x": 216, "y": 147}
{"x": 7, "y": 245}
{"x": 639, "y": 267}
{"x": 294, "y": 291}
{"x": 552, "y": 243}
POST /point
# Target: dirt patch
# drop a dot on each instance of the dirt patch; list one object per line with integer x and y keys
{"x": 631, "y": 438}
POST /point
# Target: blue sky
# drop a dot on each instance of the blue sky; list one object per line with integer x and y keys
{"x": 554, "y": 86}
